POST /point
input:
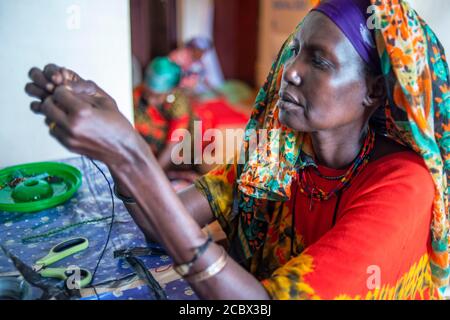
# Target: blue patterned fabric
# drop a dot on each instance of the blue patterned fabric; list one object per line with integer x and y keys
{"x": 92, "y": 201}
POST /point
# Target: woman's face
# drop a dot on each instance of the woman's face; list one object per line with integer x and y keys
{"x": 323, "y": 84}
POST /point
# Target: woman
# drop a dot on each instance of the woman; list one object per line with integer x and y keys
{"x": 190, "y": 59}
{"x": 328, "y": 207}
{"x": 160, "y": 108}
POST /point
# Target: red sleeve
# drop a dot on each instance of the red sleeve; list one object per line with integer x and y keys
{"x": 377, "y": 249}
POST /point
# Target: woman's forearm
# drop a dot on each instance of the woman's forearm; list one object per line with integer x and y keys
{"x": 179, "y": 233}
{"x": 195, "y": 203}
{"x": 232, "y": 283}
{"x": 160, "y": 207}
{"x": 136, "y": 213}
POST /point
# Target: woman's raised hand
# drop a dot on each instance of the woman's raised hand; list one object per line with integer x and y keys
{"x": 44, "y": 82}
{"x": 81, "y": 116}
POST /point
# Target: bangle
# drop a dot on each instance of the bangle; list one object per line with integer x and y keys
{"x": 184, "y": 269}
{"x": 126, "y": 200}
{"x": 210, "y": 271}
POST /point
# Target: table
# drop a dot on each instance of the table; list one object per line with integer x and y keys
{"x": 29, "y": 236}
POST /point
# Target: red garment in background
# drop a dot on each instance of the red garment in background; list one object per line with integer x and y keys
{"x": 218, "y": 113}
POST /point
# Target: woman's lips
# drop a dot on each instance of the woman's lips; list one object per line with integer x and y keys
{"x": 288, "y": 105}
{"x": 286, "y": 101}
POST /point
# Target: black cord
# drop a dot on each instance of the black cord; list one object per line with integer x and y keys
{"x": 293, "y": 217}
{"x": 336, "y": 207}
{"x": 110, "y": 226}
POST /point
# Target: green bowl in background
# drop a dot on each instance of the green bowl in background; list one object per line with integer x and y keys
{"x": 38, "y": 192}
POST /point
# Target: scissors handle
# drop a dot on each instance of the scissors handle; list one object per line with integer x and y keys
{"x": 63, "y": 250}
{"x": 84, "y": 276}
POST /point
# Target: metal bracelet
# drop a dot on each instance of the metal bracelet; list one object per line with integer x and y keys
{"x": 185, "y": 268}
{"x": 210, "y": 271}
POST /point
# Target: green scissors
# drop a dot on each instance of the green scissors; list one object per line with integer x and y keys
{"x": 59, "y": 252}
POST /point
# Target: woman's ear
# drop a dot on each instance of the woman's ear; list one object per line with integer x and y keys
{"x": 376, "y": 91}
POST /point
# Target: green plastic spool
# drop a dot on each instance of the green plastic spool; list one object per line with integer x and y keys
{"x": 36, "y": 193}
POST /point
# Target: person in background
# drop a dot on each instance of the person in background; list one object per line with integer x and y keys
{"x": 160, "y": 108}
{"x": 191, "y": 60}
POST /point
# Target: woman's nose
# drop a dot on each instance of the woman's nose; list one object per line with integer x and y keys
{"x": 292, "y": 74}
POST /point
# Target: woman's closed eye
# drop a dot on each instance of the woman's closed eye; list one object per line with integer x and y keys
{"x": 316, "y": 60}
{"x": 320, "y": 63}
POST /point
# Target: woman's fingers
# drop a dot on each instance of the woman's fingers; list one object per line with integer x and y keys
{"x": 46, "y": 82}
{"x": 53, "y": 74}
{"x": 67, "y": 100}
{"x": 35, "y": 106}
{"x": 84, "y": 87}
{"x": 69, "y": 75}
{"x": 39, "y": 79}
{"x": 36, "y": 92}
{"x": 57, "y": 121}
{"x": 92, "y": 94}
{"x": 53, "y": 114}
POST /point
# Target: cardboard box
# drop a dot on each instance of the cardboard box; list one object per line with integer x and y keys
{"x": 278, "y": 19}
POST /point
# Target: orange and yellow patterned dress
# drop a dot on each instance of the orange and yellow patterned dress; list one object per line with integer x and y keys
{"x": 371, "y": 243}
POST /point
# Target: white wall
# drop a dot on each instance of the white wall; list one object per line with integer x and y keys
{"x": 195, "y": 18}
{"x": 437, "y": 14}
{"x": 91, "y": 37}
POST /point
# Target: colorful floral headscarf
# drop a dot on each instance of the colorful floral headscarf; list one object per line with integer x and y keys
{"x": 417, "y": 115}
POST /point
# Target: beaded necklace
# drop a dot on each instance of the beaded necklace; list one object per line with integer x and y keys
{"x": 317, "y": 172}
{"x": 307, "y": 186}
